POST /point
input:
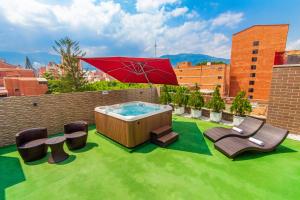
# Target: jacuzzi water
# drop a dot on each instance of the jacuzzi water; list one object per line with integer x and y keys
{"x": 135, "y": 109}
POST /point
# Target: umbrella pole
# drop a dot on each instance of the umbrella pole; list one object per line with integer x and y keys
{"x": 145, "y": 74}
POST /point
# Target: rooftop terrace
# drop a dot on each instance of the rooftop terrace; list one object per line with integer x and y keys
{"x": 190, "y": 167}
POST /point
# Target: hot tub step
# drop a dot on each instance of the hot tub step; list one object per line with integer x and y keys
{"x": 166, "y": 139}
{"x": 161, "y": 131}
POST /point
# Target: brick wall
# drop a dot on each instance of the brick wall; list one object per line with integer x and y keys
{"x": 284, "y": 103}
{"x": 270, "y": 38}
{"x": 20, "y": 86}
{"x": 206, "y": 76}
{"x": 53, "y": 111}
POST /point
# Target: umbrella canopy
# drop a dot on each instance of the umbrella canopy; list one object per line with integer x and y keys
{"x": 136, "y": 70}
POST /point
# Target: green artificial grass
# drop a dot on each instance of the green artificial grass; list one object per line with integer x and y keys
{"x": 189, "y": 169}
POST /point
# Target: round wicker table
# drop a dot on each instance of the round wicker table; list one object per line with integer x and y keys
{"x": 57, "y": 151}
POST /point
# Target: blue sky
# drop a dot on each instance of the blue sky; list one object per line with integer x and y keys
{"x": 130, "y": 27}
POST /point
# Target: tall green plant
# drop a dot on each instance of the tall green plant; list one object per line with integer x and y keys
{"x": 216, "y": 103}
{"x": 180, "y": 98}
{"x": 241, "y": 105}
{"x": 196, "y": 100}
{"x": 70, "y": 53}
{"x": 165, "y": 96}
{"x": 186, "y": 96}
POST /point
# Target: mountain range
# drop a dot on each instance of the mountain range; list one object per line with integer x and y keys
{"x": 42, "y": 58}
{"x": 193, "y": 58}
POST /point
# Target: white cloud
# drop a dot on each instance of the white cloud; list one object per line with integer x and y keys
{"x": 179, "y": 11}
{"x": 92, "y": 51}
{"x": 152, "y": 5}
{"x": 80, "y": 13}
{"x": 194, "y": 37}
{"x": 105, "y": 28}
{"x": 27, "y": 13}
{"x": 294, "y": 45}
{"x": 192, "y": 15}
{"x": 229, "y": 19}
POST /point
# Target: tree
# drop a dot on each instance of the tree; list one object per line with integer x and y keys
{"x": 241, "y": 105}
{"x": 216, "y": 103}
{"x": 70, "y": 53}
{"x": 48, "y": 75}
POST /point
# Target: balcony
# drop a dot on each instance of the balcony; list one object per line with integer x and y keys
{"x": 287, "y": 57}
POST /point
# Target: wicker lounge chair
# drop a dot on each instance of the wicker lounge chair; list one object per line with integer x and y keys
{"x": 271, "y": 137}
{"x": 76, "y": 134}
{"x": 249, "y": 126}
{"x": 31, "y": 143}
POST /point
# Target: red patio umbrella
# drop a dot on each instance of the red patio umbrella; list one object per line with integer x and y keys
{"x": 136, "y": 70}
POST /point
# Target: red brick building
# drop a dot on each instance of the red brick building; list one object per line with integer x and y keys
{"x": 206, "y": 76}
{"x": 25, "y": 86}
{"x": 252, "y": 59}
{"x": 17, "y": 81}
{"x": 52, "y": 68}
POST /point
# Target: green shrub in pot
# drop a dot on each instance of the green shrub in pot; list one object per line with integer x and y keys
{"x": 165, "y": 96}
{"x": 196, "y": 102}
{"x": 240, "y": 107}
{"x": 179, "y": 100}
{"x": 216, "y": 104}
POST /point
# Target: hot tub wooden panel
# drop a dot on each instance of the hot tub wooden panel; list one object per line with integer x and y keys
{"x": 131, "y": 133}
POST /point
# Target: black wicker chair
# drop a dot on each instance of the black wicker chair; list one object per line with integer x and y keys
{"x": 31, "y": 143}
{"x": 76, "y": 134}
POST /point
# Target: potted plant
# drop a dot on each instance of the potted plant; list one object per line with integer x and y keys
{"x": 186, "y": 96}
{"x": 179, "y": 100}
{"x": 165, "y": 96}
{"x": 216, "y": 104}
{"x": 240, "y": 106}
{"x": 196, "y": 102}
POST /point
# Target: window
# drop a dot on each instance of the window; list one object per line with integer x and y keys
{"x": 251, "y": 82}
{"x": 254, "y": 59}
{"x": 219, "y": 77}
{"x": 252, "y": 75}
{"x": 255, "y": 51}
{"x": 251, "y": 90}
{"x": 250, "y": 97}
{"x": 255, "y": 43}
{"x": 253, "y": 67}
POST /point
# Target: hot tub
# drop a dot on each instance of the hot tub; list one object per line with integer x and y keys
{"x": 130, "y": 123}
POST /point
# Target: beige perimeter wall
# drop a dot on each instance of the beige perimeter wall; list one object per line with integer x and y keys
{"x": 284, "y": 103}
{"x": 54, "y": 110}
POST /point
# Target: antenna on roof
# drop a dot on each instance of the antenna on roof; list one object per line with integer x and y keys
{"x": 155, "y": 46}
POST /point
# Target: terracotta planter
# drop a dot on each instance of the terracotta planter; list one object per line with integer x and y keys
{"x": 215, "y": 116}
{"x": 196, "y": 113}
